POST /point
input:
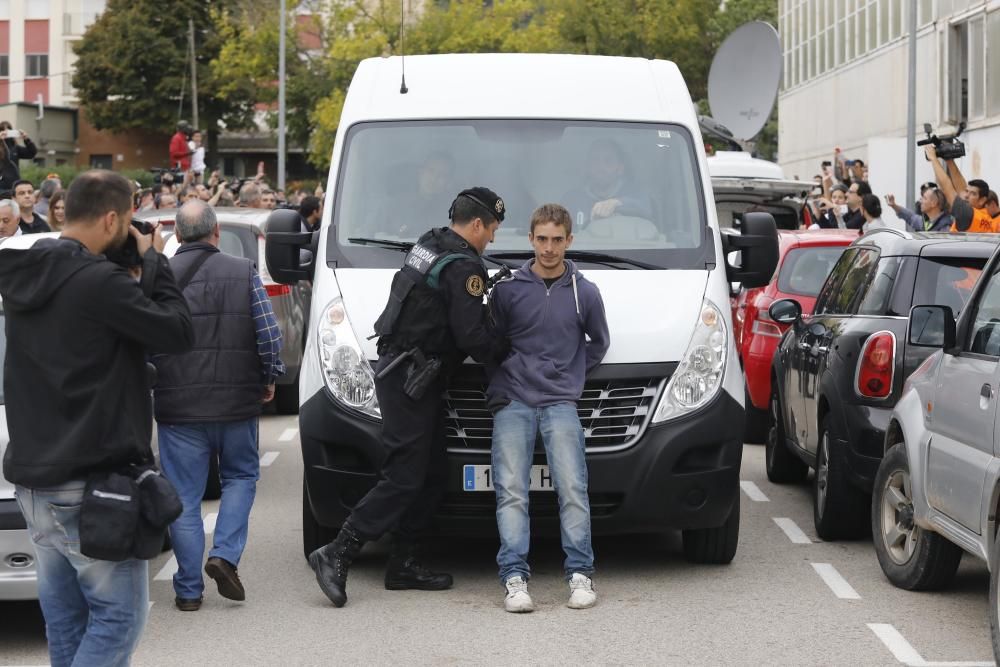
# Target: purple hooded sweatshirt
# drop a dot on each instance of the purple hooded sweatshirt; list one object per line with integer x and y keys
{"x": 550, "y": 355}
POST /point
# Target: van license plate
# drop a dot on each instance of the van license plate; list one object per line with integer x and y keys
{"x": 480, "y": 478}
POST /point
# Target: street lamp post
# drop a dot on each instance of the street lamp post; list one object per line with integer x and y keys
{"x": 281, "y": 99}
{"x": 911, "y": 110}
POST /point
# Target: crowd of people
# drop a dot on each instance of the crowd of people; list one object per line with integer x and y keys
{"x": 843, "y": 199}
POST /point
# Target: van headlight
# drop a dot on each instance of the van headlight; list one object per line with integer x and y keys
{"x": 347, "y": 373}
{"x": 699, "y": 375}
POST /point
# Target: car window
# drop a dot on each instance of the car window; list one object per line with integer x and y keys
{"x": 3, "y": 351}
{"x": 879, "y": 290}
{"x": 946, "y": 281}
{"x": 830, "y": 289}
{"x": 984, "y": 336}
{"x": 230, "y": 243}
{"x": 844, "y": 300}
{"x": 805, "y": 269}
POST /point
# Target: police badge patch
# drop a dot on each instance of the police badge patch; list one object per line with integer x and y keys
{"x": 474, "y": 286}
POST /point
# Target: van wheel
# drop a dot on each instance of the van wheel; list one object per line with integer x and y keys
{"x": 213, "y": 485}
{"x": 995, "y": 599}
{"x": 757, "y": 424}
{"x": 840, "y": 511}
{"x": 783, "y": 467}
{"x": 314, "y": 534}
{"x": 286, "y": 397}
{"x": 911, "y": 557}
{"x": 714, "y": 546}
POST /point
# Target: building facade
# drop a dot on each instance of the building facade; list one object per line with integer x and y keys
{"x": 845, "y": 83}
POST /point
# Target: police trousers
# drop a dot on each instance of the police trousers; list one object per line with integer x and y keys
{"x": 414, "y": 471}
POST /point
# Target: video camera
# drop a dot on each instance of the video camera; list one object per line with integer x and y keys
{"x": 948, "y": 147}
{"x": 127, "y": 255}
{"x": 169, "y": 176}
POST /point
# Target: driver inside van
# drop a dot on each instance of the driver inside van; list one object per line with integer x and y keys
{"x": 424, "y": 198}
{"x": 608, "y": 192}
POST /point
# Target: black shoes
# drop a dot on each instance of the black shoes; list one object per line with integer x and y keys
{"x": 188, "y": 604}
{"x": 405, "y": 572}
{"x": 226, "y": 578}
{"x": 332, "y": 562}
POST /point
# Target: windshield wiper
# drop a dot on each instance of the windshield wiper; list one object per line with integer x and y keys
{"x": 406, "y": 245}
{"x": 604, "y": 259}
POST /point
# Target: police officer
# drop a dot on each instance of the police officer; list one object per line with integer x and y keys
{"x": 434, "y": 318}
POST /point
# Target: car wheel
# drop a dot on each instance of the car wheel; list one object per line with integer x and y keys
{"x": 911, "y": 557}
{"x": 286, "y": 397}
{"x": 783, "y": 467}
{"x": 757, "y": 424}
{"x": 995, "y": 599}
{"x": 840, "y": 511}
{"x": 213, "y": 486}
{"x": 314, "y": 534}
{"x": 714, "y": 546}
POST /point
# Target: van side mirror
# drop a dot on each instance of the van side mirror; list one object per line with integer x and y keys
{"x": 290, "y": 252}
{"x": 758, "y": 248}
{"x": 785, "y": 311}
{"x": 931, "y": 326}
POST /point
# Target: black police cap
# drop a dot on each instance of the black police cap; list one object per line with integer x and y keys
{"x": 486, "y": 198}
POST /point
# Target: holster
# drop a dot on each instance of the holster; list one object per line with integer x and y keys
{"x": 421, "y": 374}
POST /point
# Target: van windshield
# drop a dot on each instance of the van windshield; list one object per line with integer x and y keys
{"x": 632, "y": 189}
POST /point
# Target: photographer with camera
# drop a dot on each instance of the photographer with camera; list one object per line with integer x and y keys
{"x": 11, "y": 154}
{"x": 78, "y": 406}
{"x": 967, "y": 200}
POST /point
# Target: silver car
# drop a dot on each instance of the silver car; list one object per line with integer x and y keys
{"x": 242, "y": 233}
{"x": 937, "y": 491}
{"x": 18, "y": 580}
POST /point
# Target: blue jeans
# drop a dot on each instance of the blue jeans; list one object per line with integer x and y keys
{"x": 94, "y": 610}
{"x": 185, "y": 450}
{"x": 514, "y": 431}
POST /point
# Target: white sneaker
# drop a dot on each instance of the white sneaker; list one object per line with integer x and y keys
{"x": 517, "y": 601}
{"x": 581, "y": 592}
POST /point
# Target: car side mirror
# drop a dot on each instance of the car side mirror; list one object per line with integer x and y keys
{"x": 931, "y": 326}
{"x": 758, "y": 248}
{"x": 285, "y": 240}
{"x": 785, "y": 311}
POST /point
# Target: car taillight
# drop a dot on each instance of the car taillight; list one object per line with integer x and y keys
{"x": 277, "y": 290}
{"x": 875, "y": 369}
{"x": 763, "y": 325}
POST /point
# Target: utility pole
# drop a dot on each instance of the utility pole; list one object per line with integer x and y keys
{"x": 194, "y": 75}
{"x": 911, "y": 111}
{"x": 281, "y": 99}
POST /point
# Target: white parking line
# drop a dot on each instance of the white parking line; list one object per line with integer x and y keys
{"x": 753, "y": 492}
{"x": 168, "y": 571}
{"x": 793, "y": 532}
{"x": 288, "y": 434}
{"x": 904, "y": 652}
{"x": 210, "y": 520}
{"x": 268, "y": 459}
{"x": 828, "y": 573}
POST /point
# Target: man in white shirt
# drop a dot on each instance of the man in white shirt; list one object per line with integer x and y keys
{"x": 197, "y": 156}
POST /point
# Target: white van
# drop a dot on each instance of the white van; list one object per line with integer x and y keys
{"x": 663, "y": 414}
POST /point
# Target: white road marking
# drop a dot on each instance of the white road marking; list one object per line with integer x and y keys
{"x": 210, "y": 520}
{"x": 828, "y": 573}
{"x": 793, "y": 532}
{"x": 168, "y": 570}
{"x": 288, "y": 435}
{"x": 753, "y": 492}
{"x": 904, "y": 652}
{"x": 268, "y": 459}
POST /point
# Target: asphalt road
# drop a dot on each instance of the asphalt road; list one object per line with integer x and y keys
{"x": 787, "y": 599}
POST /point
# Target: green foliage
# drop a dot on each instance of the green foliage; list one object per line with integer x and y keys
{"x": 37, "y": 173}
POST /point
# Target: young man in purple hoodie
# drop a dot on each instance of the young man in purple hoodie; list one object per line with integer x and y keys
{"x": 547, "y": 310}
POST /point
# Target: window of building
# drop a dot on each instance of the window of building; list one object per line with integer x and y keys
{"x": 964, "y": 94}
{"x": 36, "y": 65}
{"x": 100, "y": 162}
{"x": 993, "y": 82}
{"x": 4, "y": 66}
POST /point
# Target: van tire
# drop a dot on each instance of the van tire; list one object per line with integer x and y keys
{"x": 783, "y": 467}
{"x": 757, "y": 423}
{"x": 840, "y": 511}
{"x": 995, "y": 598}
{"x": 314, "y": 534}
{"x": 934, "y": 560}
{"x": 714, "y": 546}
{"x": 286, "y": 397}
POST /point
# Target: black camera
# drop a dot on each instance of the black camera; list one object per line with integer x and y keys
{"x": 127, "y": 254}
{"x": 168, "y": 176}
{"x": 948, "y": 147}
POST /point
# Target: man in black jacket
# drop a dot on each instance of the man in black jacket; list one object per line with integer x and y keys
{"x": 79, "y": 329}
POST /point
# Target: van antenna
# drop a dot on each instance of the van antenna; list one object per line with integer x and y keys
{"x": 402, "y": 47}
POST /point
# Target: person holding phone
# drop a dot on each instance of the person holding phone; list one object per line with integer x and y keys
{"x": 11, "y": 155}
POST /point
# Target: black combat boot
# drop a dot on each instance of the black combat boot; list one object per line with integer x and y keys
{"x": 405, "y": 572}
{"x": 331, "y": 563}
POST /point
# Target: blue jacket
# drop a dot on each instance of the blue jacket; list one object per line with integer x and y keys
{"x": 548, "y": 329}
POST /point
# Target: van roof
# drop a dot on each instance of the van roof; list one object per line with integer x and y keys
{"x": 512, "y": 85}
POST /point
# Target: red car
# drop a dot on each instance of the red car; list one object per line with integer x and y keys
{"x": 805, "y": 259}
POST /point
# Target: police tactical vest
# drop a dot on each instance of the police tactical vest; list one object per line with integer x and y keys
{"x": 219, "y": 379}
{"x": 416, "y": 314}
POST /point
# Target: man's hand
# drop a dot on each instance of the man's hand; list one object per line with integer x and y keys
{"x": 213, "y": 180}
{"x": 604, "y": 209}
{"x": 159, "y": 240}
{"x": 268, "y": 394}
{"x": 930, "y": 151}
{"x": 892, "y": 201}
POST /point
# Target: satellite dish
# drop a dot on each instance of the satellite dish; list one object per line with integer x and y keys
{"x": 744, "y": 79}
